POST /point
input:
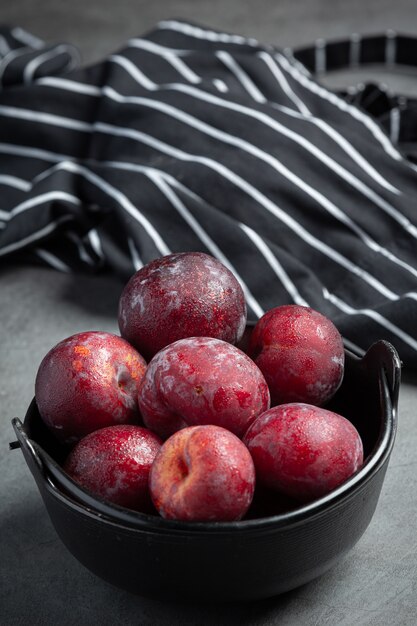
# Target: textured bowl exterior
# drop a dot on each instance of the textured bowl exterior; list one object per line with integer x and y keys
{"x": 232, "y": 561}
{"x": 236, "y": 565}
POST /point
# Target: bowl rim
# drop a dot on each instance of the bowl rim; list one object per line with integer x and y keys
{"x": 383, "y": 358}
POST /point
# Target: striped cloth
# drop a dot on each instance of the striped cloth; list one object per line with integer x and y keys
{"x": 190, "y": 139}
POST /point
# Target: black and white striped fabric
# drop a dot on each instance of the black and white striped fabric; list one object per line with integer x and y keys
{"x": 190, "y": 139}
{"x": 395, "y": 112}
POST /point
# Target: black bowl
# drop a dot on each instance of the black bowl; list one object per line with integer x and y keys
{"x": 245, "y": 560}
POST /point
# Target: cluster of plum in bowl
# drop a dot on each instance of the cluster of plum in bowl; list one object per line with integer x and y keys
{"x": 198, "y": 456}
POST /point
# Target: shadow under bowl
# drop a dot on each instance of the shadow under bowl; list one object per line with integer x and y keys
{"x": 230, "y": 561}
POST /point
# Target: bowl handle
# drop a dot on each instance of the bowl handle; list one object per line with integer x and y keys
{"x": 44, "y": 468}
{"x": 383, "y": 356}
{"x": 32, "y": 458}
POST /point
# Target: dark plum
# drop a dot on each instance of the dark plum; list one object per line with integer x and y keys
{"x": 181, "y": 295}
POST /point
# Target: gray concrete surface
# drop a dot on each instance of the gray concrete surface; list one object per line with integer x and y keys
{"x": 40, "y": 582}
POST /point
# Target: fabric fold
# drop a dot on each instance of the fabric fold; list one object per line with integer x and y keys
{"x": 192, "y": 139}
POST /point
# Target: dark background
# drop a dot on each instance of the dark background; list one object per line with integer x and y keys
{"x": 40, "y": 582}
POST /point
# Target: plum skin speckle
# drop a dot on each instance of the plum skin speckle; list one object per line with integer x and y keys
{"x": 114, "y": 464}
{"x": 301, "y": 354}
{"x": 302, "y": 450}
{"x": 202, "y": 473}
{"x": 201, "y": 380}
{"x": 179, "y": 295}
{"x": 88, "y": 381}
